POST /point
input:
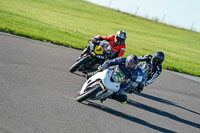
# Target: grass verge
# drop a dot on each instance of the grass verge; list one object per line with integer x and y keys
{"x": 72, "y": 22}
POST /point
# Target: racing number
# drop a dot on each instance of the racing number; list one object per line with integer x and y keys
{"x": 98, "y": 50}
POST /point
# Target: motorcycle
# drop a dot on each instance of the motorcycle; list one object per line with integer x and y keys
{"x": 94, "y": 56}
{"x": 101, "y": 85}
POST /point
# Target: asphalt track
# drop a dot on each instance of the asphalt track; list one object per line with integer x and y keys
{"x": 37, "y": 95}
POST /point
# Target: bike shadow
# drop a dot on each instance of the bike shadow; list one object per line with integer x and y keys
{"x": 161, "y": 100}
{"x": 80, "y": 74}
{"x": 126, "y": 116}
{"x": 162, "y": 113}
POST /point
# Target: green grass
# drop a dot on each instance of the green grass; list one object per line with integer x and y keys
{"x": 73, "y": 22}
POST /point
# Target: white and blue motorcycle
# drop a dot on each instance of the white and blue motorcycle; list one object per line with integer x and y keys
{"x": 101, "y": 85}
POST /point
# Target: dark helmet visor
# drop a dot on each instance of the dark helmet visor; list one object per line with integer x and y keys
{"x": 120, "y": 40}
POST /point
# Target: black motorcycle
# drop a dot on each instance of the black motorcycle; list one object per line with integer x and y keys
{"x": 95, "y": 54}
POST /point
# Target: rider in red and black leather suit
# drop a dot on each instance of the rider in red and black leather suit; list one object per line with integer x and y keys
{"x": 117, "y": 43}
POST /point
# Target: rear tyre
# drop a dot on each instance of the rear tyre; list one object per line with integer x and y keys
{"x": 88, "y": 94}
{"x": 78, "y": 64}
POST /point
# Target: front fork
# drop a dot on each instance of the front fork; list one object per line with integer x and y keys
{"x": 83, "y": 52}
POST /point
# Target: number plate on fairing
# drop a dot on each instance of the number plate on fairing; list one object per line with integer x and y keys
{"x": 98, "y": 50}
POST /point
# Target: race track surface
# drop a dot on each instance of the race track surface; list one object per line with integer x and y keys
{"x": 37, "y": 95}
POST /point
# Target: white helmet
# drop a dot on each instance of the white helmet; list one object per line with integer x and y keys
{"x": 120, "y": 37}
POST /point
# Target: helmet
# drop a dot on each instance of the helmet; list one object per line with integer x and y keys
{"x": 158, "y": 58}
{"x": 120, "y": 37}
{"x": 132, "y": 62}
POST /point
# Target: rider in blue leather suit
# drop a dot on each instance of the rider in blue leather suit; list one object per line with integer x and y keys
{"x": 127, "y": 66}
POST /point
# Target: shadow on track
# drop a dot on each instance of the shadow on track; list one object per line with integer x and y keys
{"x": 126, "y": 116}
{"x": 162, "y": 113}
{"x": 81, "y": 75}
{"x": 164, "y": 101}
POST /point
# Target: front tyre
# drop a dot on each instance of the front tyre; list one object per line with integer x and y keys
{"x": 78, "y": 64}
{"x": 88, "y": 94}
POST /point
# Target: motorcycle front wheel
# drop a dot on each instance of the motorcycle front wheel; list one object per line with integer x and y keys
{"x": 88, "y": 94}
{"x": 79, "y": 63}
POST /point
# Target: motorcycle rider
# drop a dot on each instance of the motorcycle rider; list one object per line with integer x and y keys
{"x": 128, "y": 68}
{"x": 155, "y": 65}
{"x": 117, "y": 43}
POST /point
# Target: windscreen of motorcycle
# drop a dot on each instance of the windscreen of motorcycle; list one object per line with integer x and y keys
{"x": 103, "y": 48}
{"x": 108, "y": 50}
{"x": 118, "y": 76}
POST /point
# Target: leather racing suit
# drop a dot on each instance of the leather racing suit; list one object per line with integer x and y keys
{"x": 155, "y": 71}
{"x": 118, "y": 49}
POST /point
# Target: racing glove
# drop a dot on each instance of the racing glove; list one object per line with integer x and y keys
{"x": 100, "y": 68}
{"x": 92, "y": 40}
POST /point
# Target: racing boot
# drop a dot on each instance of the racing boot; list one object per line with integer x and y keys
{"x": 140, "y": 87}
{"x": 121, "y": 97}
